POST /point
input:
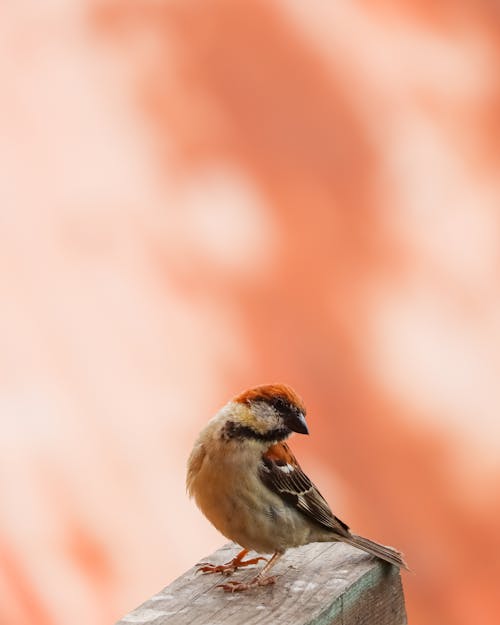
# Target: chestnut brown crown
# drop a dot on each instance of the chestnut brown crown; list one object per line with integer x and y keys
{"x": 282, "y": 400}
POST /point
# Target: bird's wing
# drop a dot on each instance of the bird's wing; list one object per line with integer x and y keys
{"x": 282, "y": 474}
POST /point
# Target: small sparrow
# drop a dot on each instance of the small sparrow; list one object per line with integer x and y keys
{"x": 249, "y": 485}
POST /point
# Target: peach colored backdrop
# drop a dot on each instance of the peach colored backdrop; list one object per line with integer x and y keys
{"x": 196, "y": 197}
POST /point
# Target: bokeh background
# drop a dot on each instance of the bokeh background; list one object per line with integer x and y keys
{"x": 196, "y": 197}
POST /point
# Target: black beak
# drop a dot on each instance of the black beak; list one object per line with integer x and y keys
{"x": 297, "y": 423}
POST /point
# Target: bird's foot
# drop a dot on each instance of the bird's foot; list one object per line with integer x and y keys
{"x": 225, "y": 569}
{"x": 254, "y": 583}
{"x": 229, "y": 567}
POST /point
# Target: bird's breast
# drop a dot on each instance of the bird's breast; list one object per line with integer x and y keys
{"x": 230, "y": 493}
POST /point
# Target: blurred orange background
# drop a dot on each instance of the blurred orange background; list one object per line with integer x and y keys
{"x": 197, "y": 197}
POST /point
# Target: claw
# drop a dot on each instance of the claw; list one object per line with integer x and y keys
{"x": 225, "y": 569}
{"x": 229, "y": 567}
{"x": 242, "y": 586}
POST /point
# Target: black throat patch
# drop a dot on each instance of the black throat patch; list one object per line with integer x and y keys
{"x": 233, "y": 430}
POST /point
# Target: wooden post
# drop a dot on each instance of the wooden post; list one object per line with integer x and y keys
{"x": 319, "y": 584}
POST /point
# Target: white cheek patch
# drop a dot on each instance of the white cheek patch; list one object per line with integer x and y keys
{"x": 286, "y": 468}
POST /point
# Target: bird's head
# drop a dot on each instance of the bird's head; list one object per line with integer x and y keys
{"x": 270, "y": 412}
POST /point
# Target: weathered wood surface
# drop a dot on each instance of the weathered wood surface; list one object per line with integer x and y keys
{"x": 319, "y": 584}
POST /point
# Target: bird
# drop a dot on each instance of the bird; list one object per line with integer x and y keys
{"x": 245, "y": 479}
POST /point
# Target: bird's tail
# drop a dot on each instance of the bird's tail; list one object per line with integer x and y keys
{"x": 389, "y": 554}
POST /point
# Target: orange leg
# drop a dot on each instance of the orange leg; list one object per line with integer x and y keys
{"x": 230, "y": 567}
{"x": 260, "y": 580}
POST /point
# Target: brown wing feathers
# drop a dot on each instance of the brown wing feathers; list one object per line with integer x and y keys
{"x": 282, "y": 474}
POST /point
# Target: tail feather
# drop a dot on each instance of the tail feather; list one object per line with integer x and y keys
{"x": 389, "y": 554}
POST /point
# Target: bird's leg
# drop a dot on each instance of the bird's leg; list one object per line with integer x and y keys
{"x": 230, "y": 567}
{"x": 260, "y": 580}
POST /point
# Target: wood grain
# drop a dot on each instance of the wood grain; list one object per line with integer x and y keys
{"x": 319, "y": 584}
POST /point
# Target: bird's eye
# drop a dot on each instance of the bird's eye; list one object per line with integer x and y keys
{"x": 279, "y": 403}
